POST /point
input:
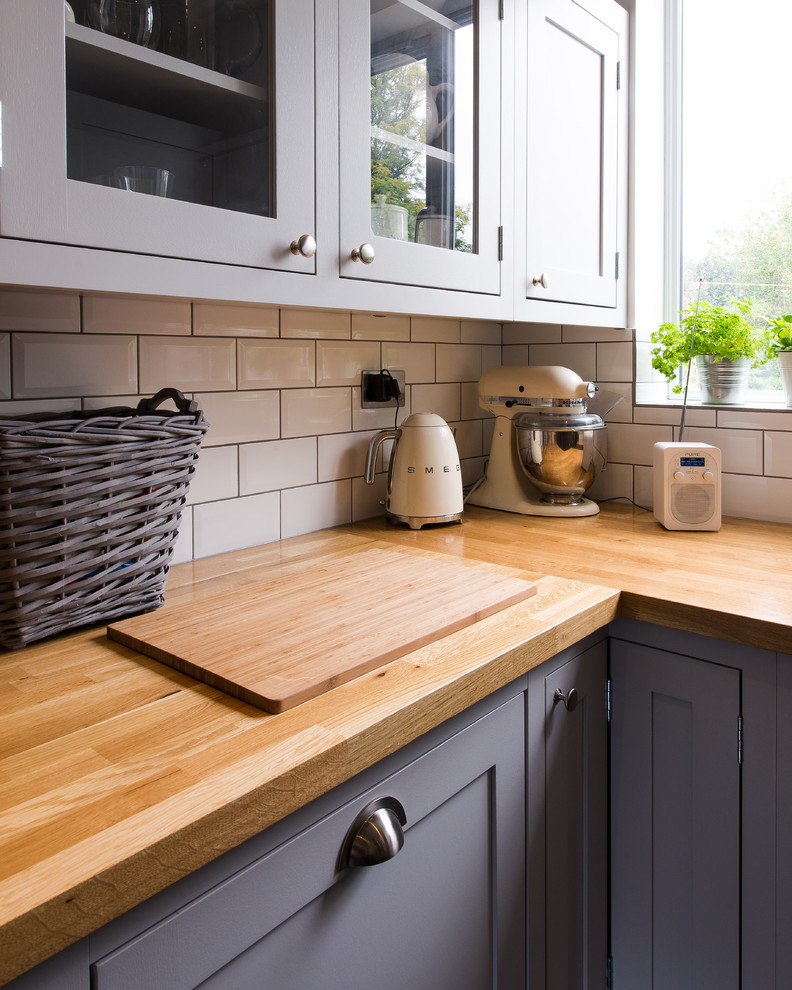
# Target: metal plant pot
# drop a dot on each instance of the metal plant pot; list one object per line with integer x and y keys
{"x": 784, "y": 359}
{"x": 723, "y": 382}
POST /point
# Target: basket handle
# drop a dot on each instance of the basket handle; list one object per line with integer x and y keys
{"x": 182, "y": 403}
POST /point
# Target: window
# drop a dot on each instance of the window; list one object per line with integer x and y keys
{"x": 732, "y": 213}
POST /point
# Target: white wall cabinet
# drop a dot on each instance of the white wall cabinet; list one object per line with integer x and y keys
{"x": 287, "y": 145}
{"x": 81, "y": 106}
{"x": 571, "y": 155}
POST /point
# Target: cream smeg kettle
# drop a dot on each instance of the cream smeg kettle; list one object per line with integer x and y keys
{"x": 424, "y": 477}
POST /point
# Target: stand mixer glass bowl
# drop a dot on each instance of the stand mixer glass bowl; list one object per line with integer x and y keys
{"x": 561, "y": 452}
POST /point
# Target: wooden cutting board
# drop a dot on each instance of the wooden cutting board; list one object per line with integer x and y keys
{"x": 281, "y": 641}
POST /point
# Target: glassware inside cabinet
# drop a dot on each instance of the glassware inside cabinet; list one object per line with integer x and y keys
{"x": 172, "y": 98}
{"x": 423, "y": 60}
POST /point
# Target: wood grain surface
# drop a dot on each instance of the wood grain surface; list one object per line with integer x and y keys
{"x": 119, "y": 775}
{"x": 278, "y": 642}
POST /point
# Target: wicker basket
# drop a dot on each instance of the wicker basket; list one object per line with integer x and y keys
{"x": 89, "y": 513}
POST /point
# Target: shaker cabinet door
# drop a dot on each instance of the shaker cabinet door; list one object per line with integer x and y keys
{"x": 569, "y": 153}
{"x": 675, "y": 821}
{"x": 157, "y": 136}
{"x": 420, "y": 165}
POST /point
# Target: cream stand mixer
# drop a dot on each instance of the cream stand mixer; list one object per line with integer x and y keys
{"x": 547, "y": 448}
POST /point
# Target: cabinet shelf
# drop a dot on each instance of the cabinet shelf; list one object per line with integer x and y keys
{"x": 121, "y": 72}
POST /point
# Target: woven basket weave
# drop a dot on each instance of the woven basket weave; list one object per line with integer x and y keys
{"x": 89, "y": 513}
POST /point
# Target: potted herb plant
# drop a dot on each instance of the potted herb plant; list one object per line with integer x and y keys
{"x": 725, "y": 345}
{"x": 780, "y": 348}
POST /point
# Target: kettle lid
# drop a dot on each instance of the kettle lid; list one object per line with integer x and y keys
{"x": 424, "y": 419}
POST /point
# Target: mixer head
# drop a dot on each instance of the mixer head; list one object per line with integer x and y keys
{"x": 506, "y": 391}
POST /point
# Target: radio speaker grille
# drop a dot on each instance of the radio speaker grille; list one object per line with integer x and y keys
{"x": 692, "y": 504}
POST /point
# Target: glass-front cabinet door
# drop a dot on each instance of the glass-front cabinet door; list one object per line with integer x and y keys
{"x": 420, "y": 142}
{"x": 148, "y": 126}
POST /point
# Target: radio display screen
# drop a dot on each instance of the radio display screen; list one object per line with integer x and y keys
{"x": 692, "y": 461}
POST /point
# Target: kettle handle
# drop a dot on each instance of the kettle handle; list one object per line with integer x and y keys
{"x": 373, "y": 447}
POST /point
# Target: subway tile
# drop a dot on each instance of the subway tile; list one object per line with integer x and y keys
{"x": 491, "y": 357}
{"x": 130, "y": 401}
{"x": 35, "y": 310}
{"x": 234, "y": 320}
{"x": 135, "y": 314}
{"x": 631, "y": 443}
{"x": 340, "y": 362}
{"x": 332, "y": 324}
{"x": 469, "y": 396}
{"x": 305, "y": 510}
{"x": 621, "y": 412}
{"x": 379, "y": 326}
{"x": 754, "y": 419}
{"x": 741, "y": 450}
{"x": 435, "y": 330}
{"x": 5, "y": 366}
{"x": 515, "y": 355}
{"x": 50, "y": 365}
{"x": 643, "y": 486}
{"x": 366, "y": 498}
{"x": 672, "y": 415}
{"x": 190, "y": 364}
{"x": 444, "y": 400}
{"x": 481, "y": 332}
{"x": 342, "y": 455}
{"x": 468, "y": 435}
{"x": 473, "y": 469}
{"x": 276, "y": 363}
{"x": 315, "y": 411}
{"x": 28, "y": 407}
{"x": 571, "y": 335}
{"x": 615, "y": 362}
{"x": 616, "y": 481}
{"x": 580, "y": 358}
{"x": 266, "y": 467}
{"x": 417, "y": 361}
{"x": 458, "y": 362}
{"x": 753, "y": 497}
{"x": 183, "y": 548}
{"x": 240, "y": 417}
{"x": 778, "y": 454}
{"x": 216, "y": 475}
{"x": 236, "y": 523}
{"x": 531, "y": 333}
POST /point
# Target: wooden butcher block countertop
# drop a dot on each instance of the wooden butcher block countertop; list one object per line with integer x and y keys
{"x": 119, "y": 775}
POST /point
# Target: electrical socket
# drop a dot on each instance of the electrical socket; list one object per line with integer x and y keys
{"x": 369, "y": 388}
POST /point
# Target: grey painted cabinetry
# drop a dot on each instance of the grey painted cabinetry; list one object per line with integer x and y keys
{"x": 693, "y": 812}
{"x": 448, "y": 910}
{"x": 568, "y": 820}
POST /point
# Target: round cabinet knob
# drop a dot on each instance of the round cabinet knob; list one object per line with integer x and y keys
{"x": 304, "y": 245}
{"x": 364, "y": 253}
{"x": 570, "y": 699}
{"x": 540, "y": 280}
{"x": 708, "y": 476}
{"x": 679, "y": 475}
{"x": 375, "y": 835}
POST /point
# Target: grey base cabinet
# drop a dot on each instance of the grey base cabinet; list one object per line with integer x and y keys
{"x": 283, "y": 912}
{"x": 568, "y": 820}
{"x": 693, "y": 812}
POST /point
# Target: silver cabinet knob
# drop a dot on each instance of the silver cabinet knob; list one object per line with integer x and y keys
{"x": 375, "y": 835}
{"x": 304, "y": 245}
{"x": 364, "y": 253}
{"x": 540, "y": 280}
{"x": 570, "y": 699}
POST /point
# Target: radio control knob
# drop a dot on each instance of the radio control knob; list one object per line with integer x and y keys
{"x": 679, "y": 475}
{"x": 708, "y": 476}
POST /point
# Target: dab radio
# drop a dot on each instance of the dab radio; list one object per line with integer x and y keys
{"x": 687, "y": 485}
